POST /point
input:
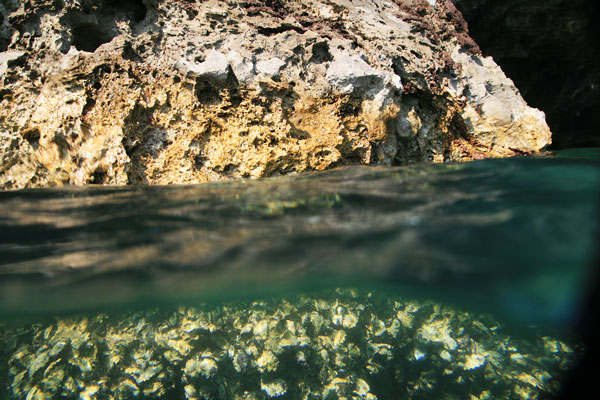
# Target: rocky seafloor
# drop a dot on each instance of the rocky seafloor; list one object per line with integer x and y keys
{"x": 343, "y": 344}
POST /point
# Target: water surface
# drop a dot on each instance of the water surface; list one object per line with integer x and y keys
{"x": 512, "y": 239}
{"x": 514, "y": 233}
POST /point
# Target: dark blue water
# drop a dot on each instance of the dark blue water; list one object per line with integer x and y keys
{"x": 513, "y": 240}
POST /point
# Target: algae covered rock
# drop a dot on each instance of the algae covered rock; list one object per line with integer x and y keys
{"x": 157, "y": 92}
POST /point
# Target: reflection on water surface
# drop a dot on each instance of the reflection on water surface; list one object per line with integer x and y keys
{"x": 451, "y": 263}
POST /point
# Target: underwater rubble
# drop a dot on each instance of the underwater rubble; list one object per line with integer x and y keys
{"x": 347, "y": 344}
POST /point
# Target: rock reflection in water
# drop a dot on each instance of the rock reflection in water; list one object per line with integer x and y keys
{"x": 496, "y": 232}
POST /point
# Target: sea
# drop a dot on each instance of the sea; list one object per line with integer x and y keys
{"x": 428, "y": 281}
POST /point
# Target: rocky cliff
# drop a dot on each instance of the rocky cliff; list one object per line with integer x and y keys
{"x": 550, "y": 48}
{"x": 159, "y": 92}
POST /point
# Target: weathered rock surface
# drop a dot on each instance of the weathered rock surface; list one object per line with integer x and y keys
{"x": 551, "y": 50}
{"x": 156, "y": 92}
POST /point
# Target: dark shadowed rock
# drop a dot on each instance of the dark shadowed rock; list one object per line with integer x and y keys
{"x": 550, "y": 49}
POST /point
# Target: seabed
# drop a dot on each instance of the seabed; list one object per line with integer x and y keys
{"x": 342, "y": 344}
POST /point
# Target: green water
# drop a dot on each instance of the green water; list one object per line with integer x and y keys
{"x": 426, "y": 281}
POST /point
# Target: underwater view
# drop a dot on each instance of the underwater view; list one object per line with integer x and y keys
{"x": 426, "y": 281}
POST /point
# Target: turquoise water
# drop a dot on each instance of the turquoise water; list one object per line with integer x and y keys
{"x": 424, "y": 281}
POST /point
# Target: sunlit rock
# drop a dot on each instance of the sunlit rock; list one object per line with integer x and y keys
{"x": 275, "y": 388}
{"x": 157, "y": 92}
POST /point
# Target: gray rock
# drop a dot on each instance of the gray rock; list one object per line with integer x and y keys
{"x": 494, "y": 105}
{"x": 349, "y": 72}
{"x": 242, "y": 68}
{"x": 270, "y": 68}
{"x": 215, "y": 67}
{"x": 10, "y": 58}
{"x": 320, "y": 84}
{"x": 555, "y": 63}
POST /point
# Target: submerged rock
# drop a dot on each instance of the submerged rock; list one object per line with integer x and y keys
{"x": 156, "y": 92}
{"x": 442, "y": 353}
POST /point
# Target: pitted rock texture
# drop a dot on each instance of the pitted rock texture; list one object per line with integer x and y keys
{"x": 156, "y": 92}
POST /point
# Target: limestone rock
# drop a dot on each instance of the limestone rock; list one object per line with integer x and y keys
{"x": 549, "y": 48}
{"x": 348, "y": 73}
{"x": 270, "y": 68}
{"x": 216, "y": 67}
{"x": 9, "y": 59}
{"x": 157, "y": 92}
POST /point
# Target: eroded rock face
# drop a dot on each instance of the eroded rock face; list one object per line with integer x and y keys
{"x": 550, "y": 48}
{"x": 155, "y": 92}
